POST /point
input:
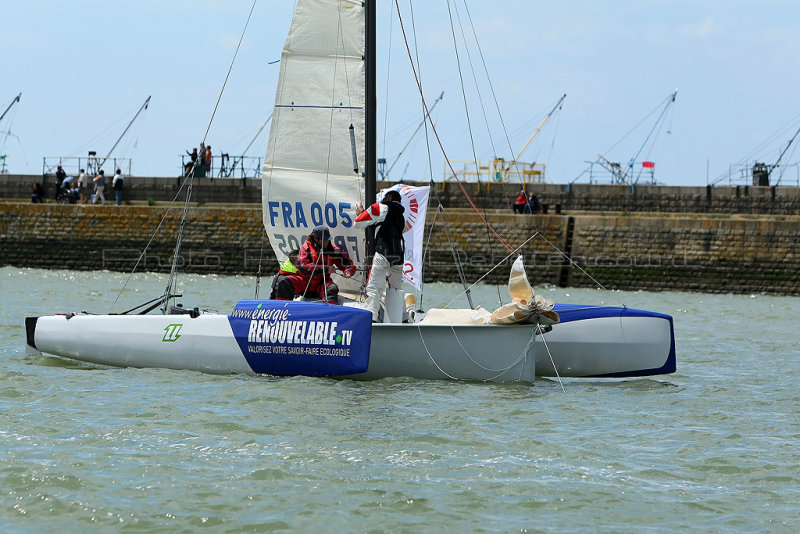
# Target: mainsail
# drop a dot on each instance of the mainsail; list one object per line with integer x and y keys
{"x": 312, "y": 173}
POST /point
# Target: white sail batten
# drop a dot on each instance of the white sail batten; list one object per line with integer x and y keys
{"x": 308, "y": 177}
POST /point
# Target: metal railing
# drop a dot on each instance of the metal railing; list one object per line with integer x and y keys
{"x": 92, "y": 164}
{"x": 744, "y": 174}
{"x": 497, "y": 171}
{"x": 608, "y": 172}
{"x": 224, "y": 166}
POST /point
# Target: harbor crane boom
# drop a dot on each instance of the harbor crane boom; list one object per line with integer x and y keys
{"x": 531, "y": 138}
{"x": 14, "y": 101}
{"x": 777, "y": 163}
{"x": 128, "y": 127}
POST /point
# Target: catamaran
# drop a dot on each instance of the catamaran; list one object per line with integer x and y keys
{"x": 320, "y": 163}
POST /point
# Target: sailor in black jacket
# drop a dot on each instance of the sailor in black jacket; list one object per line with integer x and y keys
{"x": 389, "y": 255}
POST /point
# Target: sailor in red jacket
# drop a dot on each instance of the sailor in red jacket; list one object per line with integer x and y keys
{"x": 389, "y": 255}
{"x": 318, "y": 258}
{"x": 522, "y": 201}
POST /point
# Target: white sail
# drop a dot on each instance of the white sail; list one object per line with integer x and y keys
{"x": 308, "y": 177}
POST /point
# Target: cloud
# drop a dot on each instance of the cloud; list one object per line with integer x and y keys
{"x": 19, "y": 38}
{"x": 703, "y": 30}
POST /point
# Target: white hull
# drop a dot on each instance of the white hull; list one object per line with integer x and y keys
{"x": 607, "y": 347}
{"x": 633, "y": 345}
{"x": 207, "y": 344}
{"x": 489, "y": 353}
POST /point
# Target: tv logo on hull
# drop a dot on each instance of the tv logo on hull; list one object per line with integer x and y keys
{"x": 302, "y": 338}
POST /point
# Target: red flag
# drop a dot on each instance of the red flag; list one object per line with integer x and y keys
{"x": 648, "y": 164}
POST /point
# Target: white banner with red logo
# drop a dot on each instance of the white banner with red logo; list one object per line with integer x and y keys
{"x": 415, "y": 201}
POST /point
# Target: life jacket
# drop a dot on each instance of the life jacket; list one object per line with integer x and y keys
{"x": 287, "y": 267}
{"x": 389, "y": 240}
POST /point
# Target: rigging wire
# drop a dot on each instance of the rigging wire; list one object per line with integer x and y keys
{"x": 497, "y": 107}
{"x": 174, "y": 270}
{"x": 469, "y": 123}
{"x": 386, "y": 97}
{"x": 438, "y": 139}
{"x": 419, "y": 127}
{"x": 550, "y": 355}
{"x": 474, "y": 78}
{"x": 152, "y": 237}
{"x": 106, "y": 132}
{"x": 331, "y": 115}
{"x": 659, "y": 106}
{"x": 770, "y": 141}
{"x": 426, "y": 115}
{"x": 230, "y": 68}
{"x": 498, "y": 264}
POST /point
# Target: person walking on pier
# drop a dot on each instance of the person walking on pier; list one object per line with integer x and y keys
{"x": 83, "y": 186}
{"x": 99, "y": 187}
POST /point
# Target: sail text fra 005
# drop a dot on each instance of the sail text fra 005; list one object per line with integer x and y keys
{"x": 326, "y": 86}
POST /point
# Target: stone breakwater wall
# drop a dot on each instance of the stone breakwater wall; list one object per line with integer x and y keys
{"x": 737, "y": 254}
{"x": 559, "y": 198}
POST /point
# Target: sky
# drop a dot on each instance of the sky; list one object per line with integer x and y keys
{"x": 85, "y": 67}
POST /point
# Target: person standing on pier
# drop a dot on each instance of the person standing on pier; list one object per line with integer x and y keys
{"x": 60, "y": 175}
{"x": 118, "y": 183}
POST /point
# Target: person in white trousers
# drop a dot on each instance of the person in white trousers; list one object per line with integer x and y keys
{"x": 389, "y": 255}
{"x": 99, "y": 187}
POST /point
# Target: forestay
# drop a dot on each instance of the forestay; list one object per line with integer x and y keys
{"x": 308, "y": 177}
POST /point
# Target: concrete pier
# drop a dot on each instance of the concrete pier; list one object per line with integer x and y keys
{"x": 622, "y": 249}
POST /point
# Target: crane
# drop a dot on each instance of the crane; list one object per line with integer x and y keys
{"x": 762, "y": 171}
{"x": 14, "y": 101}
{"x": 385, "y": 174}
{"x": 528, "y": 142}
{"x": 128, "y": 127}
{"x": 625, "y": 175}
{"x": 8, "y": 132}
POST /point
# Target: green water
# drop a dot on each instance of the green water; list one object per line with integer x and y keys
{"x": 712, "y": 448}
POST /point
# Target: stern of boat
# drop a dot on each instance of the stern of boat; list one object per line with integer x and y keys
{"x": 30, "y": 337}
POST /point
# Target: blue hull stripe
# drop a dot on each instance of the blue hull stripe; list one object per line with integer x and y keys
{"x": 290, "y": 338}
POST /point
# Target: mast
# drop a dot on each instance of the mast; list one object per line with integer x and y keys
{"x": 371, "y": 111}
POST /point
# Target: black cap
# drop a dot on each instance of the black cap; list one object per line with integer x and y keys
{"x": 321, "y": 233}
